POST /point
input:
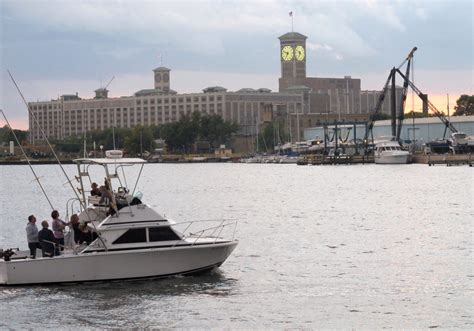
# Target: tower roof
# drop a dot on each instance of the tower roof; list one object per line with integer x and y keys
{"x": 292, "y": 36}
{"x": 161, "y": 69}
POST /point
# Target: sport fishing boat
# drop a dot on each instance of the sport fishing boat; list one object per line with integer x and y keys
{"x": 390, "y": 152}
{"x": 133, "y": 241}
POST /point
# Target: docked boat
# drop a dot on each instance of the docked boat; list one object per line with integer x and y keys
{"x": 390, "y": 152}
{"x": 133, "y": 241}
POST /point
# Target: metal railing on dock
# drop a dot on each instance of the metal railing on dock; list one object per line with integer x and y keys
{"x": 450, "y": 160}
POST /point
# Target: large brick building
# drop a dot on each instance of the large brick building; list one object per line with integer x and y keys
{"x": 301, "y": 102}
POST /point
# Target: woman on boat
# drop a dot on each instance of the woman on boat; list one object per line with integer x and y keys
{"x": 58, "y": 226}
{"x": 75, "y": 226}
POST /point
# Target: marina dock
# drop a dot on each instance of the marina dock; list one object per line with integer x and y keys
{"x": 332, "y": 160}
{"x": 444, "y": 159}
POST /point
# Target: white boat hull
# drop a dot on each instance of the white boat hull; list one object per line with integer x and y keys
{"x": 401, "y": 158}
{"x": 115, "y": 265}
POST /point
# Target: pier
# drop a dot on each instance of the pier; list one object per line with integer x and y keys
{"x": 317, "y": 159}
{"x": 444, "y": 159}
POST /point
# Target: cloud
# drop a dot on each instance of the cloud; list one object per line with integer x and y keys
{"x": 187, "y": 25}
{"x": 421, "y": 13}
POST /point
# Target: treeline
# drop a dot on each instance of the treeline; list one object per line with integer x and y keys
{"x": 179, "y": 136}
{"x": 6, "y": 135}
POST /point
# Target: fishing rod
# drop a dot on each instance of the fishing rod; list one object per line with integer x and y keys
{"x": 32, "y": 114}
{"x": 27, "y": 159}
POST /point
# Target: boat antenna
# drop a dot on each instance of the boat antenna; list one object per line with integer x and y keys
{"x": 83, "y": 204}
{"x": 27, "y": 160}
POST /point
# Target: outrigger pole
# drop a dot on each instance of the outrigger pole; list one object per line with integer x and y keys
{"x": 82, "y": 203}
{"x": 46, "y": 139}
{"x": 27, "y": 160}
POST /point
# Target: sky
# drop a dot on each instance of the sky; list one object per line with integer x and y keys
{"x": 68, "y": 46}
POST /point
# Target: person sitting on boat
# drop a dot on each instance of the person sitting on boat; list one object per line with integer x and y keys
{"x": 105, "y": 196}
{"x": 95, "y": 190}
{"x": 46, "y": 240}
{"x": 85, "y": 234}
{"x": 106, "y": 199}
{"x": 75, "y": 226}
{"x": 58, "y": 226}
{"x": 32, "y": 236}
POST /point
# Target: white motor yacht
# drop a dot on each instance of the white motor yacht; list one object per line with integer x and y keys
{"x": 132, "y": 240}
{"x": 390, "y": 152}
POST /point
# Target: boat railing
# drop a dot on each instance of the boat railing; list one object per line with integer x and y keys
{"x": 225, "y": 228}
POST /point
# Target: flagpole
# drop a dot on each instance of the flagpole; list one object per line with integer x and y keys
{"x": 291, "y": 15}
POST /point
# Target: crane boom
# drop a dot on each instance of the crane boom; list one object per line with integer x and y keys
{"x": 423, "y": 97}
{"x": 401, "y": 111}
{"x": 377, "y": 108}
{"x": 113, "y": 77}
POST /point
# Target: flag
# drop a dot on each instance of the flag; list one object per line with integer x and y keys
{"x": 291, "y": 13}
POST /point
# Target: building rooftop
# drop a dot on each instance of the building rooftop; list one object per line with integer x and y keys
{"x": 214, "y": 89}
{"x": 292, "y": 35}
{"x": 161, "y": 69}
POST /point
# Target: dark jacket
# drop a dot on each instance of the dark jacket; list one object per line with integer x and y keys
{"x": 77, "y": 232}
{"x": 46, "y": 247}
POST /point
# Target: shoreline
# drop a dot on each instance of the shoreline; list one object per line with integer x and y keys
{"x": 430, "y": 159}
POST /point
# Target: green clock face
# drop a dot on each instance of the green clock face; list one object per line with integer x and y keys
{"x": 299, "y": 53}
{"x": 287, "y": 53}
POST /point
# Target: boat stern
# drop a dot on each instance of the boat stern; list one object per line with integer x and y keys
{"x": 3, "y": 273}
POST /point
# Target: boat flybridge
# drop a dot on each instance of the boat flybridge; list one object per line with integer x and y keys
{"x": 132, "y": 240}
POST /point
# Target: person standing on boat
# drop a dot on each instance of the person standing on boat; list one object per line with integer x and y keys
{"x": 75, "y": 226}
{"x": 32, "y": 236}
{"x": 58, "y": 226}
{"x": 47, "y": 240}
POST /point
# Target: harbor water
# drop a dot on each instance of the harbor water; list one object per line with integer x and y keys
{"x": 360, "y": 246}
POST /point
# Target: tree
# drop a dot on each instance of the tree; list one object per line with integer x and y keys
{"x": 268, "y": 139}
{"x": 464, "y": 105}
{"x": 179, "y": 136}
{"x": 215, "y": 130}
{"x": 6, "y": 135}
{"x": 416, "y": 114}
{"x": 139, "y": 140}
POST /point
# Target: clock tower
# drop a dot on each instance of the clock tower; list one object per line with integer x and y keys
{"x": 293, "y": 58}
{"x": 162, "y": 79}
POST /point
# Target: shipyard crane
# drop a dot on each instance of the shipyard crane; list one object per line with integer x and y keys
{"x": 432, "y": 107}
{"x": 380, "y": 101}
{"x": 105, "y": 87}
{"x": 401, "y": 111}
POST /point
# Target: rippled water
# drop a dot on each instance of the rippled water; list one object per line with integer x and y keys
{"x": 361, "y": 246}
